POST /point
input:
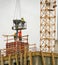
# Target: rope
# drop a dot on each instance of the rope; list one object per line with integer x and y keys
{"x": 17, "y": 10}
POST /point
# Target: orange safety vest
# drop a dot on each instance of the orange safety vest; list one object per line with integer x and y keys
{"x": 20, "y": 33}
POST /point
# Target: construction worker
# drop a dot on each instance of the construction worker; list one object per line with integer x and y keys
{"x": 15, "y": 36}
{"x": 22, "y": 21}
{"x": 20, "y": 35}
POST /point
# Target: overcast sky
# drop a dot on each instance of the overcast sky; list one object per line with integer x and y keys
{"x": 30, "y": 10}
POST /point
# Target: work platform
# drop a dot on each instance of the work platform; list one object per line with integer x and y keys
{"x": 30, "y": 58}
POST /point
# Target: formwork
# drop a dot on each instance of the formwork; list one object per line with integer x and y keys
{"x": 30, "y": 58}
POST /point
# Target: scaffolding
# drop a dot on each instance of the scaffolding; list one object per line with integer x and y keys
{"x": 47, "y": 25}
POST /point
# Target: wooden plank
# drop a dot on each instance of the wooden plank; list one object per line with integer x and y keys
{"x": 53, "y": 59}
{"x": 10, "y": 59}
{"x": 16, "y": 59}
{"x": 2, "y": 63}
{"x": 30, "y": 55}
{"x": 21, "y": 58}
{"x": 43, "y": 60}
{"x": 25, "y": 56}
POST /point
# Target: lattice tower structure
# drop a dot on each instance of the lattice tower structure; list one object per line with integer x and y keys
{"x": 47, "y": 25}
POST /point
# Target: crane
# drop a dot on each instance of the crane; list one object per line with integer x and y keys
{"x": 47, "y": 25}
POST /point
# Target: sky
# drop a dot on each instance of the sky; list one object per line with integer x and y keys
{"x": 30, "y": 11}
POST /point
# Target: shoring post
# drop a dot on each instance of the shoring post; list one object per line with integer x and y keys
{"x": 16, "y": 59}
{"x": 43, "y": 60}
{"x": 25, "y": 56}
{"x": 21, "y": 60}
{"x": 30, "y": 55}
{"x": 10, "y": 59}
{"x": 2, "y": 63}
{"x": 53, "y": 59}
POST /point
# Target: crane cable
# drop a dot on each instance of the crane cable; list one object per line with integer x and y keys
{"x": 17, "y": 8}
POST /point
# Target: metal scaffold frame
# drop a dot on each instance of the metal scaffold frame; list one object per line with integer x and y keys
{"x": 47, "y": 25}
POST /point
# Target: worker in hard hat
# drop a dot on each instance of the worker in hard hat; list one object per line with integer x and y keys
{"x": 20, "y": 35}
{"x": 22, "y": 21}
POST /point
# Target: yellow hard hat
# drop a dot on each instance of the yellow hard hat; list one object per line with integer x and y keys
{"x": 22, "y": 19}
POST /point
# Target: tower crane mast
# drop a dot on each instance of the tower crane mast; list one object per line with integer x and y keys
{"x": 47, "y": 25}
